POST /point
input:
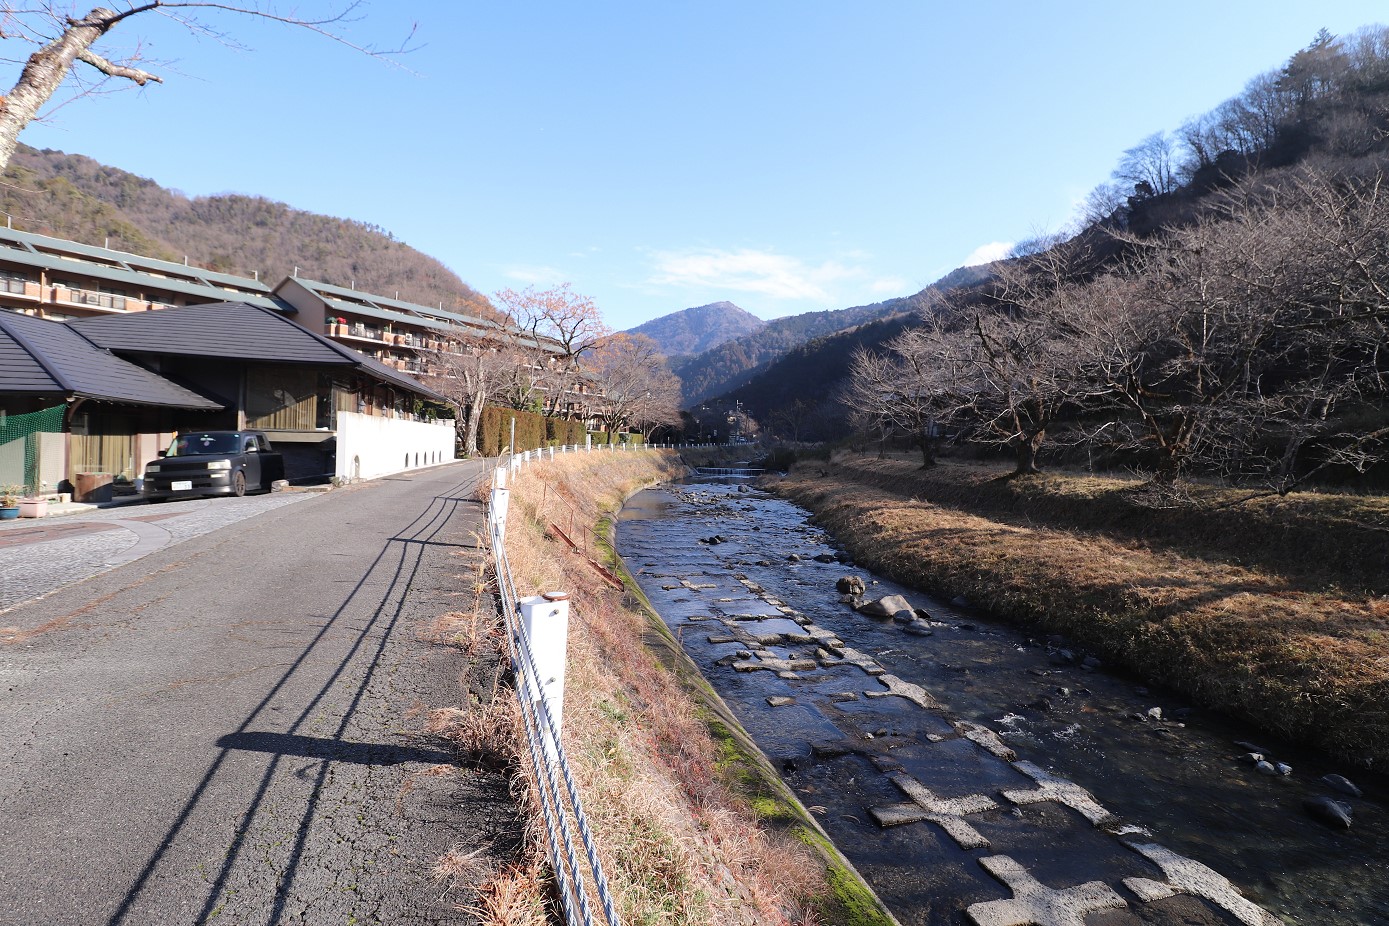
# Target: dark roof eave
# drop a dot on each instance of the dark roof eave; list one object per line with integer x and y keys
{"x": 208, "y": 405}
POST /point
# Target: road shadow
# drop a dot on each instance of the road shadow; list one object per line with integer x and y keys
{"x": 331, "y": 750}
{"x": 371, "y": 613}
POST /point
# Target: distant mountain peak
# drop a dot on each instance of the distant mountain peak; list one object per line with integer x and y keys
{"x": 699, "y": 328}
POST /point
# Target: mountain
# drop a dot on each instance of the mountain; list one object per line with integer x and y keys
{"x": 74, "y": 197}
{"x": 733, "y": 363}
{"x": 695, "y": 330}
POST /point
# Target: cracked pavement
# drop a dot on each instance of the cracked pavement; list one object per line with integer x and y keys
{"x": 225, "y": 729}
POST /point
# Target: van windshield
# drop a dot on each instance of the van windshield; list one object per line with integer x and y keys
{"x": 195, "y": 444}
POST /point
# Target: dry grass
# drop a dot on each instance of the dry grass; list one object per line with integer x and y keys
{"x": 680, "y": 845}
{"x": 513, "y": 897}
{"x": 1316, "y": 540}
{"x": 485, "y": 731}
{"x": 1309, "y": 663}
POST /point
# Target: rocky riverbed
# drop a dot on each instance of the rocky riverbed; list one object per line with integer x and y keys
{"x": 968, "y": 769}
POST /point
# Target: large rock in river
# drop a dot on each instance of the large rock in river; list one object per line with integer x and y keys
{"x": 887, "y": 606}
{"x": 1335, "y": 814}
{"x": 850, "y": 585}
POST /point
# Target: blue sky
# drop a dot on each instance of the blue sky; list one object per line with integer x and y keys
{"x": 786, "y": 156}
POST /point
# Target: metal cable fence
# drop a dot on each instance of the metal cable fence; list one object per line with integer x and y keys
{"x": 571, "y": 847}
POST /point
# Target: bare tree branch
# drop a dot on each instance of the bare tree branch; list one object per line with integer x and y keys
{"x": 65, "y": 40}
{"x": 117, "y": 70}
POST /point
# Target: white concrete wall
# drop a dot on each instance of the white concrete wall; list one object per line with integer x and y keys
{"x": 369, "y": 446}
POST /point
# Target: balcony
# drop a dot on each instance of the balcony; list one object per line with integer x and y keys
{"x": 21, "y": 288}
{"x": 91, "y": 300}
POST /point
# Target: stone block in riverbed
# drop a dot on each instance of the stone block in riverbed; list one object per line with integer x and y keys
{"x": 902, "y": 689}
{"x": 986, "y": 738}
{"x": 947, "y": 813}
{"x": 769, "y": 661}
{"x": 1054, "y": 788}
{"x": 864, "y": 661}
{"x": 1187, "y": 876}
{"x": 1035, "y": 904}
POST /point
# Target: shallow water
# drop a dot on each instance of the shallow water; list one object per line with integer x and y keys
{"x": 1178, "y": 778}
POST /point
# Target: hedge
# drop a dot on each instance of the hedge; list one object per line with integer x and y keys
{"x": 621, "y": 437}
{"x": 560, "y": 431}
{"x": 532, "y": 431}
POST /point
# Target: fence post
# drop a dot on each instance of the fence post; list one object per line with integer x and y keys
{"x": 501, "y": 500}
{"x": 546, "y": 619}
{"x": 588, "y": 443}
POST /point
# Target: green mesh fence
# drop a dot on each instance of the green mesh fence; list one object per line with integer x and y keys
{"x": 21, "y": 446}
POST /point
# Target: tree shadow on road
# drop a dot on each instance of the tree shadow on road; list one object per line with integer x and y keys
{"x": 380, "y": 596}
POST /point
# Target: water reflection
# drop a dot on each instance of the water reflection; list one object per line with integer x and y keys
{"x": 737, "y": 574}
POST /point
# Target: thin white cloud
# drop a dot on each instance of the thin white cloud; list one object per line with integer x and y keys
{"x": 888, "y": 286}
{"x": 747, "y": 271}
{"x": 988, "y": 253}
{"x": 534, "y": 275}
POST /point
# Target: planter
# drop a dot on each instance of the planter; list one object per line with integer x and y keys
{"x": 9, "y": 514}
{"x": 33, "y": 507}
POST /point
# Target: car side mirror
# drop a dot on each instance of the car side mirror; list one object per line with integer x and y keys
{"x": 163, "y": 454}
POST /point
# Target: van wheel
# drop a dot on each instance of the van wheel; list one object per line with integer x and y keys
{"x": 238, "y": 483}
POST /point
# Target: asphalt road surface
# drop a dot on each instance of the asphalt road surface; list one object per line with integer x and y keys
{"x": 226, "y": 730}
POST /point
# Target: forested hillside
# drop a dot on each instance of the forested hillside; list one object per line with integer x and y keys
{"x": 1224, "y": 311}
{"x": 74, "y": 197}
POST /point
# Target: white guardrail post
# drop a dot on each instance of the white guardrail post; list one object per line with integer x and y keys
{"x": 501, "y": 498}
{"x": 546, "y": 619}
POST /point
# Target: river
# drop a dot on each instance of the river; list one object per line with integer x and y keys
{"x": 960, "y": 733}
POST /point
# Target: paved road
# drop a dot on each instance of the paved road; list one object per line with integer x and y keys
{"x": 39, "y": 557}
{"x": 221, "y": 730}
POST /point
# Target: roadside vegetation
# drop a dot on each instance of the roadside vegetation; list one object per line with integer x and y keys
{"x": 693, "y": 824}
{"x": 1271, "y": 609}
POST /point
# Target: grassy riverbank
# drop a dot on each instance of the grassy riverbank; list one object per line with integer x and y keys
{"x": 695, "y": 826}
{"x": 1269, "y": 609}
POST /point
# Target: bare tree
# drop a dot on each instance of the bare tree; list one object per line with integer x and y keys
{"x": 1030, "y": 346}
{"x": 638, "y": 388}
{"x": 1233, "y": 343}
{"x": 913, "y": 386}
{"x": 569, "y": 322}
{"x": 789, "y": 420}
{"x": 1102, "y": 205}
{"x": 63, "y": 41}
{"x": 1150, "y": 167}
{"x": 470, "y": 373}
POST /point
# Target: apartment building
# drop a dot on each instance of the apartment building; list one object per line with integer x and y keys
{"x": 62, "y": 280}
